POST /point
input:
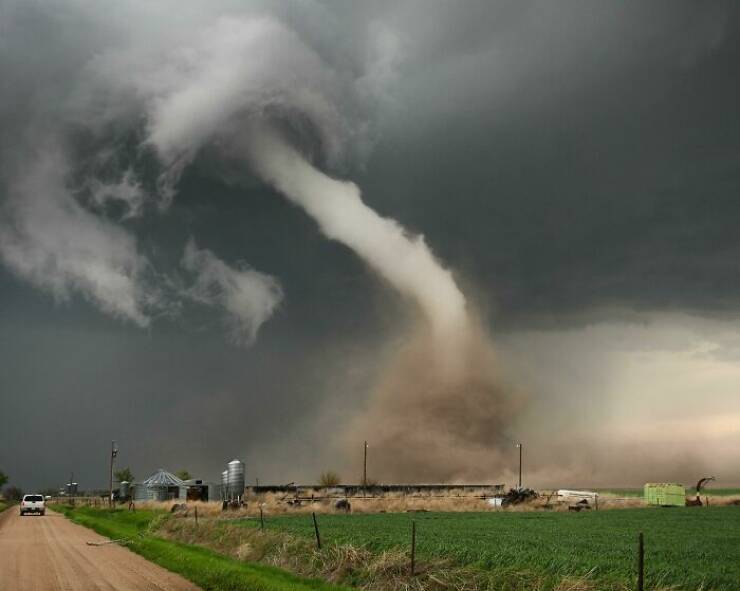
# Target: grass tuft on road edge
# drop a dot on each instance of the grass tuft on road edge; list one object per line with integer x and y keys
{"x": 205, "y": 568}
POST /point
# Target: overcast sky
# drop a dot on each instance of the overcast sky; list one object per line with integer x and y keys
{"x": 576, "y": 165}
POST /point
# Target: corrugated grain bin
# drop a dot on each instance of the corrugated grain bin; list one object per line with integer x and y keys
{"x": 235, "y": 479}
{"x": 665, "y": 494}
{"x": 225, "y": 485}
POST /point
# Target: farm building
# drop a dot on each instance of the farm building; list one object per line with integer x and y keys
{"x": 200, "y": 490}
{"x": 665, "y": 494}
{"x": 160, "y": 486}
{"x": 165, "y": 486}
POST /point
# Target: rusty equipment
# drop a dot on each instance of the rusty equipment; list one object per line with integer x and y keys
{"x": 581, "y": 505}
{"x": 699, "y": 487}
{"x": 518, "y": 495}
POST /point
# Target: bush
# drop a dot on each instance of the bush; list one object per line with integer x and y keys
{"x": 124, "y": 474}
{"x": 329, "y": 478}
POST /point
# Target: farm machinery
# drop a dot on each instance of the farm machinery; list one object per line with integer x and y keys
{"x": 699, "y": 487}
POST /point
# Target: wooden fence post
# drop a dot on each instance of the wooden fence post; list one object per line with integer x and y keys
{"x": 196, "y": 516}
{"x": 413, "y": 548}
{"x": 641, "y": 563}
{"x": 262, "y": 520}
{"x": 316, "y": 529}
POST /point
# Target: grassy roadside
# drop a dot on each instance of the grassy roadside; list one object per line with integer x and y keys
{"x": 3, "y": 506}
{"x": 205, "y": 568}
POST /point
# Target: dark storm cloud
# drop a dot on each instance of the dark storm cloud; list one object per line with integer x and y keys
{"x": 589, "y": 155}
{"x": 560, "y": 157}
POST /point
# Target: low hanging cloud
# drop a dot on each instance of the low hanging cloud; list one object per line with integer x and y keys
{"x": 248, "y": 297}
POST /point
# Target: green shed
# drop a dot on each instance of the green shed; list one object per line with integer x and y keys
{"x": 665, "y": 494}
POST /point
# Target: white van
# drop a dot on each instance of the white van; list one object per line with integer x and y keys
{"x": 33, "y": 504}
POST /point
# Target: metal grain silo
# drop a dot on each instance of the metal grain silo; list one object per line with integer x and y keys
{"x": 160, "y": 486}
{"x": 125, "y": 489}
{"x": 235, "y": 471}
{"x": 225, "y": 484}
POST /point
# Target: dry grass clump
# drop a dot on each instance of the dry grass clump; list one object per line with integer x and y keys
{"x": 282, "y": 503}
{"x": 238, "y": 542}
{"x": 206, "y": 509}
{"x": 723, "y": 501}
{"x": 575, "y": 584}
{"x": 621, "y": 503}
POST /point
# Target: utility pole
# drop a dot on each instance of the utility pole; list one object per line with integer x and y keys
{"x": 113, "y": 454}
{"x": 71, "y": 479}
{"x": 364, "y": 469}
{"x": 519, "y": 445}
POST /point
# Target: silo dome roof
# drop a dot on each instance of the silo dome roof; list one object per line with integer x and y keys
{"x": 163, "y": 478}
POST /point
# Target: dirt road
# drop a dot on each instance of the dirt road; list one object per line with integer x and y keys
{"x": 51, "y": 553}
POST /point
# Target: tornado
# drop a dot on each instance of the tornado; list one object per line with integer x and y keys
{"x": 440, "y": 409}
{"x": 403, "y": 260}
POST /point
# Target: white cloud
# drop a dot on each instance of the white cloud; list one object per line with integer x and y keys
{"x": 49, "y": 239}
{"x": 247, "y": 296}
{"x": 175, "y": 78}
{"x": 127, "y": 191}
{"x": 193, "y": 86}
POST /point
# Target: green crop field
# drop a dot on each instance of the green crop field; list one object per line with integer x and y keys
{"x": 689, "y": 548}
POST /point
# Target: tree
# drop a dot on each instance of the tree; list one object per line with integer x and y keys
{"x": 3, "y": 479}
{"x": 124, "y": 474}
{"x": 329, "y": 478}
{"x": 183, "y": 475}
